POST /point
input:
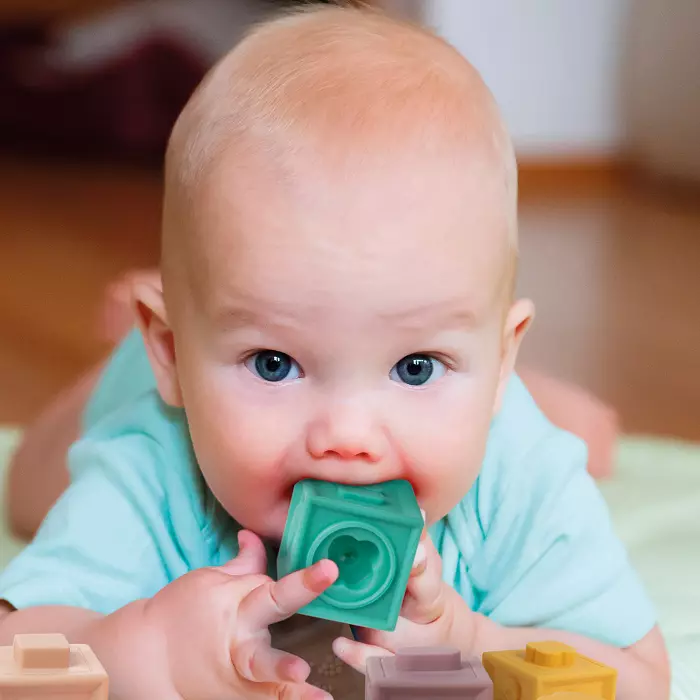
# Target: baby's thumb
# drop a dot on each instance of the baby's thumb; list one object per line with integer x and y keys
{"x": 251, "y": 558}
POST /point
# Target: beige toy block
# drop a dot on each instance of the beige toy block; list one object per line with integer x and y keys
{"x": 41, "y": 651}
{"x": 47, "y": 667}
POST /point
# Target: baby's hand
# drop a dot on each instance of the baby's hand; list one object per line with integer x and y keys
{"x": 433, "y": 614}
{"x": 214, "y": 626}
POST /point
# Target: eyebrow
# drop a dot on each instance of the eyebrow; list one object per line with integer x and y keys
{"x": 440, "y": 312}
{"x": 238, "y": 317}
{"x": 435, "y": 314}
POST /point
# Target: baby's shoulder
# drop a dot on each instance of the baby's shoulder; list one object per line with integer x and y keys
{"x": 143, "y": 451}
{"x": 527, "y": 458}
{"x": 517, "y": 545}
{"x": 144, "y": 424}
{"x": 141, "y": 444}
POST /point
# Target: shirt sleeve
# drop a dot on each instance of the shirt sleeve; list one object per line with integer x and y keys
{"x": 107, "y": 541}
{"x": 126, "y": 377}
{"x": 553, "y": 557}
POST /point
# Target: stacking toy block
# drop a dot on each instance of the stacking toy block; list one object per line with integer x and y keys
{"x": 371, "y": 533}
{"x": 47, "y": 667}
{"x": 548, "y": 668}
{"x": 426, "y": 673}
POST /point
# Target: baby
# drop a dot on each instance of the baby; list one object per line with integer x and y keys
{"x": 338, "y": 264}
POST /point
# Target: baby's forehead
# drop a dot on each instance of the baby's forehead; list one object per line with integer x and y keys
{"x": 317, "y": 191}
{"x": 404, "y": 240}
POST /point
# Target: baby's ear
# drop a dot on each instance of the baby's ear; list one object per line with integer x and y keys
{"x": 152, "y": 319}
{"x": 518, "y": 320}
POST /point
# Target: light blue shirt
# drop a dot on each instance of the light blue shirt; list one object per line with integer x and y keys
{"x": 530, "y": 544}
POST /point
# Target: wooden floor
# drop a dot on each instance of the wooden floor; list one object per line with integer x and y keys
{"x": 64, "y": 233}
{"x": 613, "y": 267}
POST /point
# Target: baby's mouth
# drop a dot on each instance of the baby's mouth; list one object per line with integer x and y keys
{"x": 287, "y": 493}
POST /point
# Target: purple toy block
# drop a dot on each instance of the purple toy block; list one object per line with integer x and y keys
{"x": 426, "y": 673}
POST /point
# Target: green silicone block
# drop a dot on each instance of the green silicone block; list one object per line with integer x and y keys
{"x": 370, "y": 532}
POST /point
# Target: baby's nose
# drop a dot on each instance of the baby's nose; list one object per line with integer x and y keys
{"x": 347, "y": 430}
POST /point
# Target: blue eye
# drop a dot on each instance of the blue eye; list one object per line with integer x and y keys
{"x": 416, "y": 370}
{"x": 273, "y": 366}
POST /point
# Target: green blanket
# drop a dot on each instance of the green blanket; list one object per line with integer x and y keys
{"x": 655, "y": 501}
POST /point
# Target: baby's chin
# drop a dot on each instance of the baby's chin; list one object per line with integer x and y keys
{"x": 269, "y": 523}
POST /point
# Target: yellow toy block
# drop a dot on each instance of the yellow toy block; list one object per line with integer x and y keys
{"x": 547, "y": 669}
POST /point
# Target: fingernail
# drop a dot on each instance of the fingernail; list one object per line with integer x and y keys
{"x": 317, "y": 572}
{"x": 301, "y": 672}
{"x": 317, "y": 577}
{"x": 340, "y": 646}
{"x": 420, "y": 557}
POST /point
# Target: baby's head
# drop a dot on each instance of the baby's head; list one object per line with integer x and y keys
{"x": 338, "y": 260}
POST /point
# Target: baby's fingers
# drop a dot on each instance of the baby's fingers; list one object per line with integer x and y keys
{"x": 285, "y": 691}
{"x": 420, "y": 559}
{"x": 251, "y": 557}
{"x": 290, "y": 691}
{"x": 257, "y": 661}
{"x": 273, "y": 601}
{"x": 424, "y": 600}
{"x": 274, "y": 674}
{"x": 355, "y": 654}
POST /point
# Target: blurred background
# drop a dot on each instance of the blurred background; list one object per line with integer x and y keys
{"x": 603, "y": 101}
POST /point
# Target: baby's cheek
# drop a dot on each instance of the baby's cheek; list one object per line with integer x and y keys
{"x": 245, "y": 477}
{"x": 238, "y": 419}
{"x": 444, "y": 460}
{"x": 440, "y": 461}
{"x": 234, "y": 442}
{"x": 251, "y": 449}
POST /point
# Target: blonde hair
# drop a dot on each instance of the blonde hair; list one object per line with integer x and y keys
{"x": 328, "y": 79}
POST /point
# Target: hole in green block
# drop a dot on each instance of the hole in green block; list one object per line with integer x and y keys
{"x": 355, "y": 559}
{"x": 366, "y": 561}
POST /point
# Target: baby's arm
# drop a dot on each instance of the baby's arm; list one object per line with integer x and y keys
{"x": 569, "y": 571}
{"x": 203, "y": 636}
{"x": 643, "y": 669}
{"x": 182, "y": 627}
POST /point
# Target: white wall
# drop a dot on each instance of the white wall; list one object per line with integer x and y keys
{"x": 663, "y": 87}
{"x": 554, "y": 66}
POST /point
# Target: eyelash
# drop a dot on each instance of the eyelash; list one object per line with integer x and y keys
{"x": 447, "y": 361}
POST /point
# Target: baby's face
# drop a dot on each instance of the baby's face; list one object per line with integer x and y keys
{"x": 347, "y": 329}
